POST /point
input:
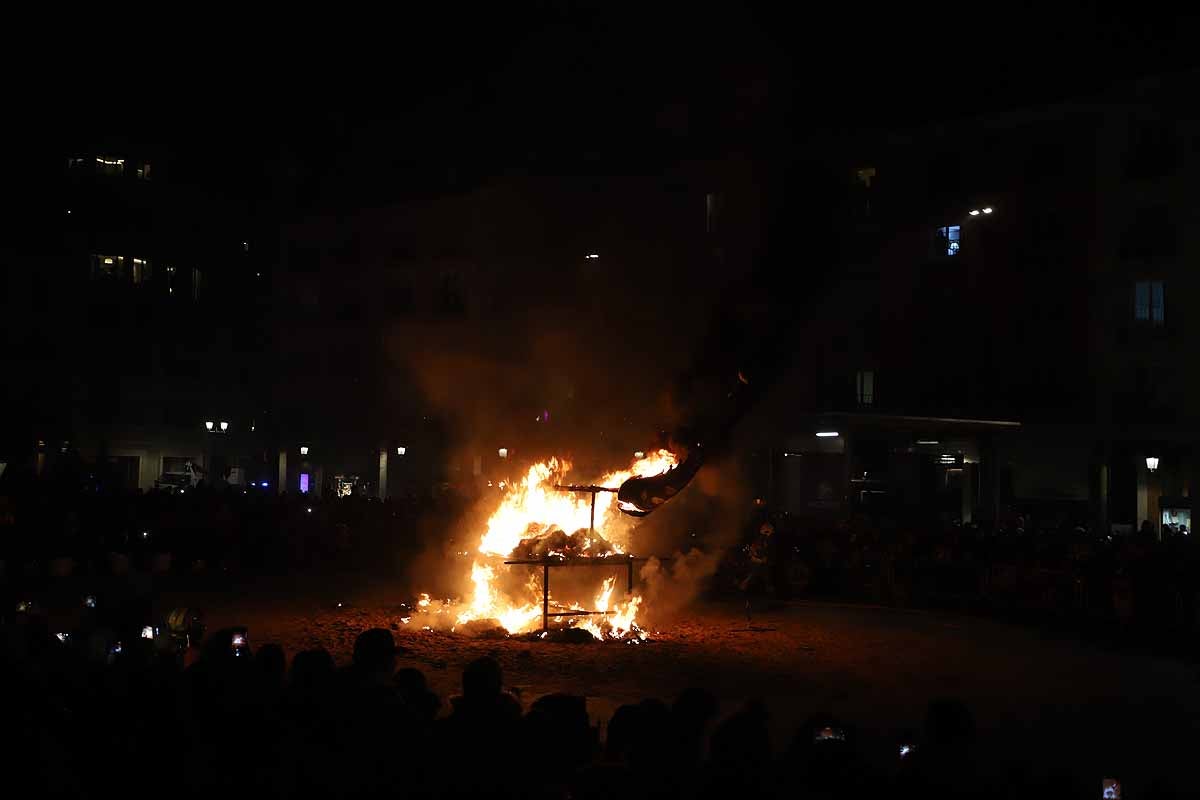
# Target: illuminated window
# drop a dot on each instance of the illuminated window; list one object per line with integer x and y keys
{"x": 949, "y": 239}
{"x": 140, "y": 271}
{"x": 143, "y": 171}
{"x": 110, "y": 166}
{"x": 866, "y": 388}
{"x": 712, "y": 211}
{"x": 1148, "y": 302}
{"x": 108, "y": 266}
{"x": 303, "y": 483}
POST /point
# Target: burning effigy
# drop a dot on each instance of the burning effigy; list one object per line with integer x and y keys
{"x": 540, "y": 520}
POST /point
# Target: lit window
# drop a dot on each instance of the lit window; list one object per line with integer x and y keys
{"x": 143, "y": 171}
{"x": 108, "y": 266}
{"x": 712, "y": 211}
{"x": 110, "y": 166}
{"x": 1148, "y": 302}
{"x": 866, "y": 388}
{"x": 949, "y": 238}
{"x": 141, "y": 270}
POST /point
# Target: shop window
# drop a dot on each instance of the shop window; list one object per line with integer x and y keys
{"x": 110, "y": 166}
{"x": 1149, "y": 304}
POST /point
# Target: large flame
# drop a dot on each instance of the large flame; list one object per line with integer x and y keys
{"x": 485, "y": 604}
{"x": 532, "y": 507}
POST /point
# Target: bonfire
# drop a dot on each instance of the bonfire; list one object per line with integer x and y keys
{"x": 534, "y": 520}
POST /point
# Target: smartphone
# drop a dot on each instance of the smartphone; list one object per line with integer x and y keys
{"x": 89, "y": 601}
{"x": 829, "y": 735}
{"x": 1110, "y": 789}
{"x": 238, "y": 643}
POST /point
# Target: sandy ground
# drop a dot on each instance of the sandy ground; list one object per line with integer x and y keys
{"x": 1091, "y": 711}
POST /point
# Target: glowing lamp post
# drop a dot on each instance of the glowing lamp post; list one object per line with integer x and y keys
{"x": 209, "y": 425}
{"x": 224, "y": 426}
{"x": 303, "y": 449}
{"x": 502, "y": 452}
{"x": 1152, "y": 463}
{"x": 401, "y": 451}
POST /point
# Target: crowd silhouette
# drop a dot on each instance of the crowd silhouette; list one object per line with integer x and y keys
{"x": 231, "y": 720}
{"x": 120, "y": 701}
{"x": 1145, "y": 584}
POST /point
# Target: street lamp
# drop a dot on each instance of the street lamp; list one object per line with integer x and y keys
{"x": 502, "y": 452}
{"x": 639, "y": 454}
{"x": 401, "y": 450}
{"x": 224, "y": 426}
{"x": 209, "y": 425}
{"x": 1152, "y": 463}
{"x": 303, "y": 449}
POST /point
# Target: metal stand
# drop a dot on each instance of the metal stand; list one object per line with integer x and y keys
{"x": 593, "y": 491}
{"x": 605, "y": 561}
{"x": 547, "y": 563}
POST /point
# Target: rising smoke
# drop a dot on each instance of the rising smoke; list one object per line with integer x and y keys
{"x": 571, "y": 357}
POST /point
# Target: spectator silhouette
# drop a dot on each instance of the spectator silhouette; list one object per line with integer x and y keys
{"x": 374, "y": 720}
{"x": 691, "y": 714}
{"x": 945, "y": 765}
{"x": 740, "y": 756}
{"x": 272, "y": 668}
{"x": 482, "y": 728}
{"x": 422, "y": 704}
{"x": 822, "y": 756}
{"x": 374, "y": 660}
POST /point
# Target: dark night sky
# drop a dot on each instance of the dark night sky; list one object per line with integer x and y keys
{"x": 565, "y": 87}
{"x": 290, "y": 115}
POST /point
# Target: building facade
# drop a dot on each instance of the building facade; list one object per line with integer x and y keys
{"x": 1030, "y": 267}
{"x": 132, "y": 312}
